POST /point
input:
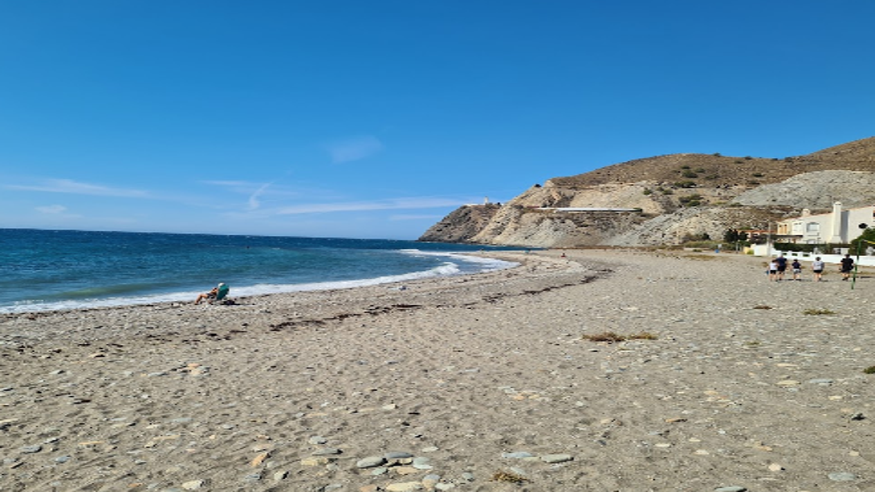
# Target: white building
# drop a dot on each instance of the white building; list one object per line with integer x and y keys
{"x": 838, "y": 227}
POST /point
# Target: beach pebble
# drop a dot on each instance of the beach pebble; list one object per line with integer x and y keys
{"x": 556, "y": 458}
{"x": 468, "y": 476}
{"x": 32, "y": 449}
{"x": 398, "y": 455}
{"x": 444, "y": 486}
{"x": 822, "y": 382}
{"x": 280, "y": 475}
{"x": 194, "y": 484}
{"x": 370, "y": 462}
{"x": 317, "y": 440}
{"x": 316, "y": 461}
{"x": 422, "y": 463}
{"x": 326, "y": 452}
{"x": 732, "y": 488}
{"x": 842, "y": 477}
{"x": 430, "y": 481}
{"x": 404, "y": 487}
{"x": 517, "y": 455}
{"x": 252, "y": 477}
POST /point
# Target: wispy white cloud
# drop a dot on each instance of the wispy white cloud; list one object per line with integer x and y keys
{"x": 254, "y": 203}
{"x": 353, "y": 149}
{"x": 255, "y": 191}
{"x": 52, "y": 209}
{"x": 79, "y": 188}
{"x": 392, "y": 204}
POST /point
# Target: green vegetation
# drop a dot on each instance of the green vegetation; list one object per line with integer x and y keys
{"x": 860, "y": 242}
{"x": 647, "y": 191}
{"x": 689, "y": 174}
{"x": 762, "y": 306}
{"x": 809, "y": 248}
{"x": 734, "y": 236}
{"x": 691, "y": 200}
{"x": 869, "y": 370}
{"x": 685, "y": 184}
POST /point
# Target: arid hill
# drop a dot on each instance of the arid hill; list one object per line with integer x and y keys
{"x": 677, "y": 197}
{"x": 716, "y": 170}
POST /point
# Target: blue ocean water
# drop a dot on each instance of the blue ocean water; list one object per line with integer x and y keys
{"x": 51, "y": 270}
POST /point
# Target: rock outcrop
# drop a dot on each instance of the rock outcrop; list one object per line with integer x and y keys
{"x": 668, "y": 200}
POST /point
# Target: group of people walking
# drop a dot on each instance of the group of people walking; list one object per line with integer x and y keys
{"x": 778, "y": 268}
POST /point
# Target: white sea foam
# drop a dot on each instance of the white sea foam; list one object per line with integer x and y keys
{"x": 456, "y": 264}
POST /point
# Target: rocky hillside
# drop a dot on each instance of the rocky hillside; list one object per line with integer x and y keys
{"x": 676, "y": 197}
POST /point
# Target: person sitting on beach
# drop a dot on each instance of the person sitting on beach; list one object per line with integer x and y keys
{"x": 209, "y": 295}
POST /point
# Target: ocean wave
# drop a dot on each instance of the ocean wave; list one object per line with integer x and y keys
{"x": 456, "y": 264}
{"x": 481, "y": 263}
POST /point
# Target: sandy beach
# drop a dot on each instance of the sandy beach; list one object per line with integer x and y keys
{"x": 725, "y": 382}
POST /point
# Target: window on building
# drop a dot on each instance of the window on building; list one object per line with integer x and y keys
{"x": 813, "y": 227}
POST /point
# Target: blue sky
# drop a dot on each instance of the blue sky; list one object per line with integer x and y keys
{"x": 374, "y": 119}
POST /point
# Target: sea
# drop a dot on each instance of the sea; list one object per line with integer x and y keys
{"x": 46, "y": 270}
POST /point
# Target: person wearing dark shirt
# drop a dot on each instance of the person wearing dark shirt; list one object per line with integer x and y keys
{"x": 847, "y": 267}
{"x": 782, "y": 266}
{"x": 797, "y": 269}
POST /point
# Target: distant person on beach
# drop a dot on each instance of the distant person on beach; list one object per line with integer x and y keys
{"x": 211, "y": 294}
{"x": 847, "y": 267}
{"x": 782, "y": 266}
{"x": 817, "y": 268}
{"x": 773, "y": 270}
{"x": 797, "y": 269}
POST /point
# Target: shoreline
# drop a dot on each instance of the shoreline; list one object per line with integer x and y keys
{"x": 479, "y": 379}
{"x": 486, "y": 264}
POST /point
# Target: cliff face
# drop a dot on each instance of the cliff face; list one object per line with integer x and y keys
{"x": 676, "y": 197}
{"x": 461, "y": 225}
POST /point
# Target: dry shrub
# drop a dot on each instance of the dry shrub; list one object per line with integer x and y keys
{"x": 644, "y": 335}
{"x": 505, "y": 476}
{"x": 611, "y": 337}
{"x": 815, "y": 312}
